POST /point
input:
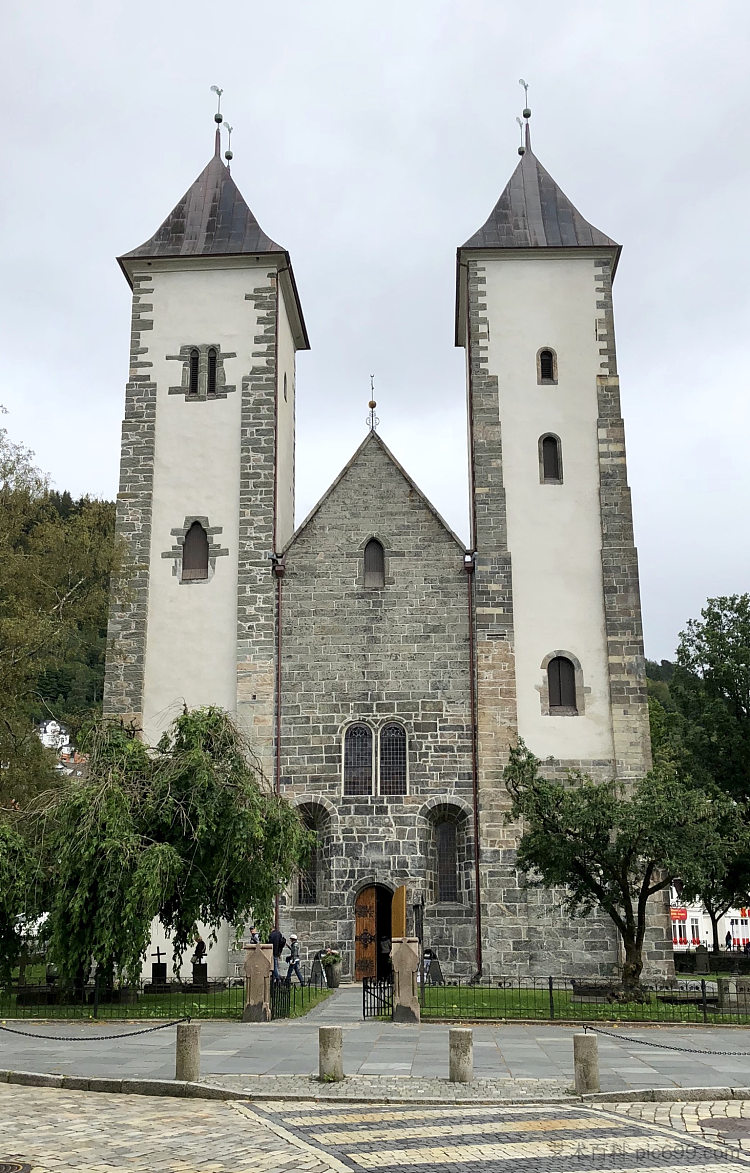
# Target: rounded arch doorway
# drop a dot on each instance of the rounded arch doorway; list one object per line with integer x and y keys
{"x": 372, "y": 932}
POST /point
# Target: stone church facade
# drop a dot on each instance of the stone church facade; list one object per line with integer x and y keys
{"x": 381, "y": 665}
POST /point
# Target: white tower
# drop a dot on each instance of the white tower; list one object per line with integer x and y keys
{"x": 207, "y": 475}
{"x": 559, "y": 646}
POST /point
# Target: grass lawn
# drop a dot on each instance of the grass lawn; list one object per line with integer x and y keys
{"x": 177, "y": 1004}
{"x": 484, "y": 1002}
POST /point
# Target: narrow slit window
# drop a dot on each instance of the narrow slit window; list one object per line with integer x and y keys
{"x": 551, "y": 460}
{"x": 561, "y": 680}
{"x": 447, "y": 861}
{"x": 374, "y": 564}
{"x": 211, "y": 373}
{"x": 195, "y": 554}
{"x": 546, "y": 366}
{"x": 308, "y": 879}
{"x": 393, "y": 759}
{"x": 194, "y": 365}
{"x": 358, "y": 760}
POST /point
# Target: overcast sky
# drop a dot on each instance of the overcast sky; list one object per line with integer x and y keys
{"x": 371, "y": 139}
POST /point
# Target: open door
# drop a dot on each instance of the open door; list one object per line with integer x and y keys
{"x": 398, "y": 913}
{"x": 365, "y": 938}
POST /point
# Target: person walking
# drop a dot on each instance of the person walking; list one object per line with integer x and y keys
{"x": 293, "y": 961}
{"x": 278, "y": 941}
{"x": 728, "y": 940}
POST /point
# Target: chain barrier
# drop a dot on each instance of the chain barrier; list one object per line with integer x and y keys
{"x": 99, "y": 1038}
{"x": 661, "y": 1046}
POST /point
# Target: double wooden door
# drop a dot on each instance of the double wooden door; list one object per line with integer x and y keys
{"x": 378, "y": 917}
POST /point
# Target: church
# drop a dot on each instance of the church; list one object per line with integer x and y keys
{"x": 380, "y": 667}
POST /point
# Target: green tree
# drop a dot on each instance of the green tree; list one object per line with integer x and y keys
{"x": 711, "y": 690}
{"x": 613, "y": 847}
{"x": 186, "y": 832}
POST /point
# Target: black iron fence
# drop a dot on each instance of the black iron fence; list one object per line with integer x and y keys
{"x": 707, "y": 1000}
{"x": 212, "y": 999}
{"x": 377, "y": 997}
{"x": 290, "y": 999}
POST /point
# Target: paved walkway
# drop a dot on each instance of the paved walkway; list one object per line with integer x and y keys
{"x": 45, "y": 1130}
{"x": 243, "y": 1053}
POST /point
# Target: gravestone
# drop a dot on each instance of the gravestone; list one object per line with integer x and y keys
{"x": 432, "y": 972}
{"x": 701, "y": 960}
{"x": 317, "y": 973}
{"x": 258, "y": 972}
{"x": 200, "y": 977}
{"x": 159, "y": 972}
{"x": 405, "y": 961}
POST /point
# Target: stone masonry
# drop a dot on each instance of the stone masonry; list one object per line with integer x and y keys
{"x": 126, "y": 634}
{"x": 397, "y": 652}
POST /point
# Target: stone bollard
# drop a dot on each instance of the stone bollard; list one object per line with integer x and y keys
{"x": 188, "y": 1051}
{"x": 460, "y": 1055}
{"x": 330, "y": 1053}
{"x": 586, "y": 1063}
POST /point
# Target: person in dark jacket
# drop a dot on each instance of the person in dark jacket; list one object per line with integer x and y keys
{"x": 293, "y": 961}
{"x": 278, "y": 941}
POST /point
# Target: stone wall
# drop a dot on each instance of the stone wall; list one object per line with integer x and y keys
{"x": 375, "y": 654}
{"x": 126, "y": 633}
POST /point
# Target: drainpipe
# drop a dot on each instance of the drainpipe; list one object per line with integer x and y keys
{"x": 277, "y": 561}
{"x": 469, "y": 567}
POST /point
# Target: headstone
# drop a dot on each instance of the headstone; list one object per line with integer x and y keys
{"x": 258, "y": 972}
{"x": 200, "y": 976}
{"x": 433, "y": 974}
{"x": 405, "y": 961}
{"x": 701, "y": 960}
{"x": 317, "y": 973}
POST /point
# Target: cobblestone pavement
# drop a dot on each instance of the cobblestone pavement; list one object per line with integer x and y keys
{"x": 51, "y": 1130}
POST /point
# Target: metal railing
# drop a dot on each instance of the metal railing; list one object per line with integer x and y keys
{"x": 144, "y": 1000}
{"x": 722, "y": 1000}
{"x": 288, "y": 999}
{"x": 377, "y": 997}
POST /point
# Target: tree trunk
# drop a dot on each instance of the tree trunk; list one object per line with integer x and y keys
{"x": 632, "y": 966}
{"x": 714, "y": 928}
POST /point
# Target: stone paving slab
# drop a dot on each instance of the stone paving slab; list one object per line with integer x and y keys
{"x": 56, "y": 1130}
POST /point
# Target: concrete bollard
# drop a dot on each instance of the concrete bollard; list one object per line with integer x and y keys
{"x": 460, "y": 1055}
{"x": 330, "y": 1053}
{"x": 586, "y": 1063}
{"x": 188, "y": 1051}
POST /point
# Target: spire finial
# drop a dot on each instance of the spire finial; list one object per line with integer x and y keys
{"x": 522, "y": 148}
{"x": 372, "y": 419}
{"x": 228, "y": 152}
{"x": 526, "y": 144}
{"x": 218, "y": 119}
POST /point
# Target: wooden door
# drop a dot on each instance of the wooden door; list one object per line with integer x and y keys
{"x": 398, "y": 913}
{"x": 365, "y": 939}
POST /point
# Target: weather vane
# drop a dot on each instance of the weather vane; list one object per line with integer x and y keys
{"x": 218, "y": 117}
{"x": 372, "y": 419}
{"x": 228, "y": 152}
{"x": 525, "y": 137}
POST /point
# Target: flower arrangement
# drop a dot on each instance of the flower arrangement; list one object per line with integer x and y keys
{"x": 330, "y": 957}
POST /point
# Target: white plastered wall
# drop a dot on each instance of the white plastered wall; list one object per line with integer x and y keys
{"x": 285, "y": 428}
{"x": 217, "y": 952}
{"x": 191, "y": 634}
{"x": 554, "y": 531}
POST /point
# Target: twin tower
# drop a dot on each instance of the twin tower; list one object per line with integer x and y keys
{"x": 380, "y": 666}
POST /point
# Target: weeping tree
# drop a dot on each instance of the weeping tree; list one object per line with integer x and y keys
{"x": 611, "y": 847}
{"x": 188, "y": 831}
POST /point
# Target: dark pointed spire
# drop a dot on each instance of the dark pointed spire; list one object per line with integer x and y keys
{"x": 533, "y": 212}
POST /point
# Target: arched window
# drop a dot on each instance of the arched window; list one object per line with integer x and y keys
{"x": 194, "y": 364}
{"x": 393, "y": 759}
{"x": 195, "y": 553}
{"x": 546, "y": 366}
{"x": 211, "y": 373}
{"x": 561, "y": 680}
{"x": 447, "y": 860}
{"x": 550, "y": 460}
{"x": 309, "y": 879}
{"x": 374, "y": 564}
{"x": 358, "y": 760}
